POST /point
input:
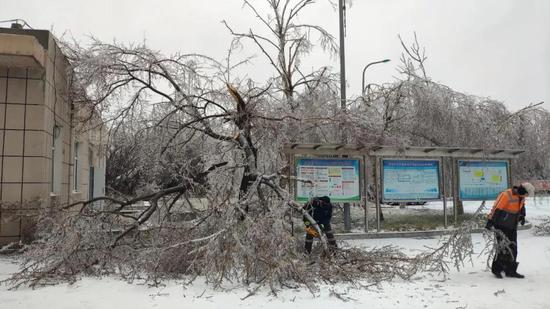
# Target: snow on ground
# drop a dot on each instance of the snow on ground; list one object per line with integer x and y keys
{"x": 472, "y": 287}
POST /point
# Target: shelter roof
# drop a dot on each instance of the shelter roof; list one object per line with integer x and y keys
{"x": 401, "y": 151}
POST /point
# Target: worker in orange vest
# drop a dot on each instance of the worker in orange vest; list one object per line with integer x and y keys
{"x": 507, "y": 212}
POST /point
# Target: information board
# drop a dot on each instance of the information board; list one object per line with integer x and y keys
{"x": 410, "y": 180}
{"x": 482, "y": 180}
{"x": 335, "y": 178}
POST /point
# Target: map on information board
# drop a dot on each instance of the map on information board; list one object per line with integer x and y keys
{"x": 410, "y": 180}
{"x": 335, "y": 178}
{"x": 482, "y": 180}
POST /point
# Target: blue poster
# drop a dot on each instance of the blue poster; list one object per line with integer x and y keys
{"x": 410, "y": 180}
{"x": 482, "y": 180}
{"x": 335, "y": 178}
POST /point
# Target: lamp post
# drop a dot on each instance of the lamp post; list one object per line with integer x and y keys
{"x": 365, "y": 69}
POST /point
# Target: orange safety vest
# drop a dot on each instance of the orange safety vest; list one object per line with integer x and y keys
{"x": 508, "y": 202}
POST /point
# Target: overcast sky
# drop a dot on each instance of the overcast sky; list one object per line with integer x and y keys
{"x": 493, "y": 48}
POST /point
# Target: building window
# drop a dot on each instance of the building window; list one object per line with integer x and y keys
{"x": 76, "y": 173}
{"x": 91, "y": 172}
{"x": 57, "y": 159}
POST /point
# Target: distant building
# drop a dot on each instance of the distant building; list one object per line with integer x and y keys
{"x": 45, "y": 154}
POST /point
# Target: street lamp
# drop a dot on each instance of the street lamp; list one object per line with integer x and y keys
{"x": 363, "y": 83}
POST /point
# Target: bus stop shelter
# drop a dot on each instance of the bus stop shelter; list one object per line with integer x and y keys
{"x": 448, "y": 164}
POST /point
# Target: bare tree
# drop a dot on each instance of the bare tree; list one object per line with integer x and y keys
{"x": 285, "y": 42}
{"x": 226, "y": 217}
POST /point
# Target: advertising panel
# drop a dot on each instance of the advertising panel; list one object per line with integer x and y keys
{"x": 410, "y": 180}
{"x": 336, "y": 178}
{"x": 482, "y": 180}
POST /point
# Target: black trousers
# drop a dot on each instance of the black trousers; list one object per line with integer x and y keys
{"x": 505, "y": 257}
{"x": 327, "y": 230}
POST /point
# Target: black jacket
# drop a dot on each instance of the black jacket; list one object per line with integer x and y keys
{"x": 320, "y": 209}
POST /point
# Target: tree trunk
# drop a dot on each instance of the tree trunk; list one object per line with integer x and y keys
{"x": 459, "y": 208}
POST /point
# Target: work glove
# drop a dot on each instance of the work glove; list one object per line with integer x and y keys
{"x": 489, "y": 224}
{"x": 522, "y": 220}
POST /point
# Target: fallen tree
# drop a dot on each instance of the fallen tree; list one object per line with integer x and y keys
{"x": 211, "y": 201}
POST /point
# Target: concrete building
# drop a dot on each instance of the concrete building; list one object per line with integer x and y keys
{"x": 46, "y": 155}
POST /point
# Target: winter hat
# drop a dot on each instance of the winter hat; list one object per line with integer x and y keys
{"x": 521, "y": 190}
{"x": 529, "y": 188}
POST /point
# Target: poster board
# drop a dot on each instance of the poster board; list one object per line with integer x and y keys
{"x": 482, "y": 180}
{"x": 338, "y": 179}
{"x": 410, "y": 180}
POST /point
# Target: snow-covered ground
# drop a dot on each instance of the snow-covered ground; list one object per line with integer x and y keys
{"x": 472, "y": 287}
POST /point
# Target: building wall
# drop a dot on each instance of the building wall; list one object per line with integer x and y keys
{"x": 34, "y": 110}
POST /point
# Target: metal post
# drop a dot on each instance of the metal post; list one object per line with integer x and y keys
{"x": 455, "y": 189}
{"x": 365, "y": 195}
{"x": 341, "y": 9}
{"x": 347, "y": 218}
{"x": 444, "y": 191}
{"x": 377, "y": 189}
{"x": 510, "y": 183}
{"x": 291, "y": 190}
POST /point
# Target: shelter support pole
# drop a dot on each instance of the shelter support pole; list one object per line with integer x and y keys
{"x": 377, "y": 189}
{"x": 454, "y": 169}
{"x": 291, "y": 189}
{"x": 347, "y": 214}
{"x": 510, "y": 183}
{"x": 444, "y": 192}
{"x": 364, "y": 195}
{"x": 347, "y": 218}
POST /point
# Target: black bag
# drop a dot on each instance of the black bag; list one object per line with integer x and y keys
{"x": 504, "y": 219}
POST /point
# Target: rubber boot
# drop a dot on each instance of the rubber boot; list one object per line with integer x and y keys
{"x": 512, "y": 272}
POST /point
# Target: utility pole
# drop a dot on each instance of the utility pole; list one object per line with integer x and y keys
{"x": 341, "y": 13}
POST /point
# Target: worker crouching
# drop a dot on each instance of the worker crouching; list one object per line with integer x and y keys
{"x": 320, "y": 209}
